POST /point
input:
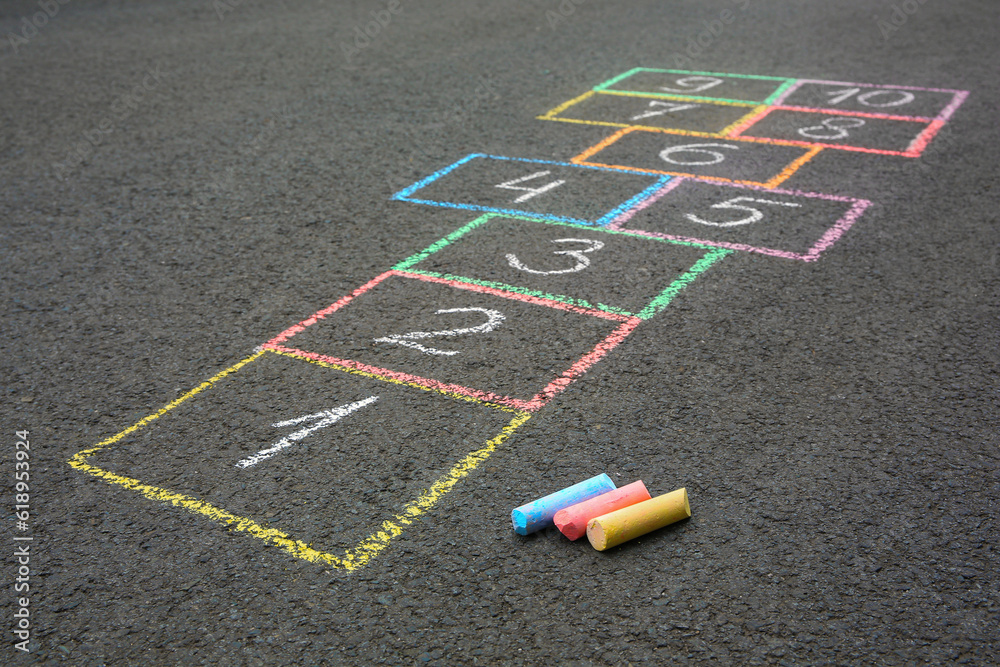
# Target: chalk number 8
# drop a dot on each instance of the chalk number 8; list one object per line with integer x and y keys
{"x": 831, "y": 128}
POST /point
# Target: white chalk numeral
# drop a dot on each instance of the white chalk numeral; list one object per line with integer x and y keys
{"x": 904, "y": 97}
{"x": 693, "y": 84}
{"x": 715, "y": 157}
{"x": 494, "y": 318}
{"x": 755, "y": 215}
{"x": 582, "y": 261}
{"x": 530, "y": 192}
{"x": 319, "y": 419}
{"x": 666, "y": 107}
{"x": 832, "y": 128}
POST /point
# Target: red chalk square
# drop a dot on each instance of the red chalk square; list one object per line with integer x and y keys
{"x": 838, "y": 130}
{"x": 497, "y": 346}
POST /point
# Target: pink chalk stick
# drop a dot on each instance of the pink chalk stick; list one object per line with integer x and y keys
{"x": 572, "y": 521}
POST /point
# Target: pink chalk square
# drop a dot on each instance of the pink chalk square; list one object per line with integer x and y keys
{"x": 911, "y": 101}
{"x": 510, "y": 349}
{"x": 780, "y": 223}
{"x": 853, "y": 131}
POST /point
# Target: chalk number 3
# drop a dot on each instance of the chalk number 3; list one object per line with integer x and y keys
{"x": 582, "y": 261}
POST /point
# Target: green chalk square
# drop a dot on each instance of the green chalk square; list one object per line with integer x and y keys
{"x": 685, "y": 84}
{"x": 603, "y": 269}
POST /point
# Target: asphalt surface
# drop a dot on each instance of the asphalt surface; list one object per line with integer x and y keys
{"x": 182, "y": 182}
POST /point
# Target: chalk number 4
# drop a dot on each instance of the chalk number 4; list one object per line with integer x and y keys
{"x": 530, "y": 192}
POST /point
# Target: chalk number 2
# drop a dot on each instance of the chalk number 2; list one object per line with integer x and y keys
{"x": 493, "y": 319}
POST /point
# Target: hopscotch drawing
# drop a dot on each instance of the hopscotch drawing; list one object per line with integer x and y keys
{"x": 306, "y": 456}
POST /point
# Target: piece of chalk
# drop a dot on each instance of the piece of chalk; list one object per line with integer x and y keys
{"x": 538, "y": 514}
{"x": 572, "y": 521}
{"x": 633, "y": 521}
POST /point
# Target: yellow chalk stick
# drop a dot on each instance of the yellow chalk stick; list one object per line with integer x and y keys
{"x": 626, "y": 524}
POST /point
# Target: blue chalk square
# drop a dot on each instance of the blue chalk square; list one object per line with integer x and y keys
{"x": 541, "y": 189}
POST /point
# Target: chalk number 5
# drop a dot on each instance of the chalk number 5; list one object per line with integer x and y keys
{"x": 754, "y": 214}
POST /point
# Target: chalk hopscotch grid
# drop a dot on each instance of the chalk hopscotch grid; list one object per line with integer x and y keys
{"x": 626, "y": 324}
{"x": 782, "y": 176}
{"x": 406, "y": 194}
{"x": 829, "y": 237}
{"x": 370, "y": 547}
{"x": 762, "y": 108}
{"x": 351, "y": 559}
{"x": 657, "y": 304}
{"x": 380, "y": 538}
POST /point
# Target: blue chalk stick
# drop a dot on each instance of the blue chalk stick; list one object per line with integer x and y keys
{"x": 538, "y": 514}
